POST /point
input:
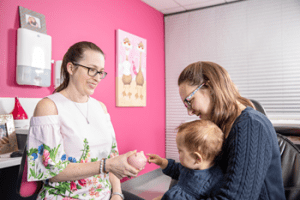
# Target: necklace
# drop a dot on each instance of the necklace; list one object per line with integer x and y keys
{"x": 87, "y": 111}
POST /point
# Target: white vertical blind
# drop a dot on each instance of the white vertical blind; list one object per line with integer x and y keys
{"x": 256, "y": 41}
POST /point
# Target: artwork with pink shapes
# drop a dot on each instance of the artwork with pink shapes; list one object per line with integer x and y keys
{"x": 131, "y": 70}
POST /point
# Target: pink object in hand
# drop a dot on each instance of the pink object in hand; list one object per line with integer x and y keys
{"x": 27, "y": 189}
{"x": 138, "y": 160}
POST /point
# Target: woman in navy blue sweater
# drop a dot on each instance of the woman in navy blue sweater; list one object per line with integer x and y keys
{"x": 250, "y": 157}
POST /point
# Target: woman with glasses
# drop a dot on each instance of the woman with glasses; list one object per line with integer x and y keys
{"x": 250, "y": 157}
{"x": 72, "y": 145}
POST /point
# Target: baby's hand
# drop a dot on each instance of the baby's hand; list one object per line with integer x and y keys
{"x": 153, "y": 158}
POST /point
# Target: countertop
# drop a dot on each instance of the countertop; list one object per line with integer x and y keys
{"x": 7, "y": 161}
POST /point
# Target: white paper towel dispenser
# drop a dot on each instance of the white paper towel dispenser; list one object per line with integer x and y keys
{"x": 33, "y": 58}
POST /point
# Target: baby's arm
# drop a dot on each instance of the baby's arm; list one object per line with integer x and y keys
{"x": 162, "y": 162}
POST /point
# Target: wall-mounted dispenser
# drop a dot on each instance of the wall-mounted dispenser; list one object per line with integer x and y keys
{"x": 33, "y": 58}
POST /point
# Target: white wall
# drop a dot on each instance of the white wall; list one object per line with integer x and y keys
{"x": 7, "y": 105}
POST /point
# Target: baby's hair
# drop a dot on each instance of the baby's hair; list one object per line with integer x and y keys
{"x": 202, "y": 136}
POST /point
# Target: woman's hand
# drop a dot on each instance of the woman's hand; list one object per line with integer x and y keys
{"x": 153, "y": 158}
{"x": 115, "y": 183}
{"x": 119, "y": 166}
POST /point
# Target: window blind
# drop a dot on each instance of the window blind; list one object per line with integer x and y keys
{"x": 256, "y": 41}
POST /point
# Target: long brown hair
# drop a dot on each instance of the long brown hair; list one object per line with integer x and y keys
{"x": 74, "y": 54}
{"x": 202, "y": 136}
{"x": 224, "y": 93}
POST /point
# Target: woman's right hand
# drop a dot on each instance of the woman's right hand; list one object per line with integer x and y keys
{"x": 120, "y": 167}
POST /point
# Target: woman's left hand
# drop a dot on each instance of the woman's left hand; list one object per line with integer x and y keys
{"x": 120, "y": 167}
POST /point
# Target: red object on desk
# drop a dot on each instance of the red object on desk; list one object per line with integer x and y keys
{"x": 18, "y": 111}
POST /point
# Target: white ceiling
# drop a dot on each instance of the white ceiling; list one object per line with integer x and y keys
{"x": 174, "y": 6}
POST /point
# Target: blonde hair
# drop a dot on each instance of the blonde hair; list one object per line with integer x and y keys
{"x": 224, "y": 94}
{"x": 202, "y": 136}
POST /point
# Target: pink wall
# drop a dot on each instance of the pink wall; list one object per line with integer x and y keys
{"x": 71, "y": 21}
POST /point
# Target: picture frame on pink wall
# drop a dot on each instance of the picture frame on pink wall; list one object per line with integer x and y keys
{"x": 32, "y": 20}
{"x": 131, "y": 60}
{"x": 8, "y": 140}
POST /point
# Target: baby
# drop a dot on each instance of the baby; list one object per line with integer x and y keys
{"x": 199, "y": 142}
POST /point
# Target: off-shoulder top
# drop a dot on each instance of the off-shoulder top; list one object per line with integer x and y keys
{"x": 54, "y": 141}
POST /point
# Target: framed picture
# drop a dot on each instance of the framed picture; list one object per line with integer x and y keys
{"x": 8, "y": 137}
{"x": 32, "y": 20}
{"x": 131, "y": 59}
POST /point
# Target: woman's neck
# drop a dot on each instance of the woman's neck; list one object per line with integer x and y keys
{"x": 241, "y": 107}
{"x": 74, "y": 95}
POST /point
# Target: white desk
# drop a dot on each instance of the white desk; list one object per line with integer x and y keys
{"x": 7, "y": 161}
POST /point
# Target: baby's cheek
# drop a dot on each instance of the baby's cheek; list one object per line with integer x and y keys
{"x": 180, "y": 159}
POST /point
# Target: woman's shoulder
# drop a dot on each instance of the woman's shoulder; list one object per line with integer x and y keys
{"x": 96, "y": 102}
{"x": 253, "y": 116}
{"x": 45, "y": 107}
{"x": 103, "y": 107}
{"x": 251, "y": 119}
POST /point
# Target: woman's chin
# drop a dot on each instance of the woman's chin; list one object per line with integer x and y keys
{"x": 90, "y": 91}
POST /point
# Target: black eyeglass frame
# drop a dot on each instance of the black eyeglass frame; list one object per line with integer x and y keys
{"x": 97, "y": 72}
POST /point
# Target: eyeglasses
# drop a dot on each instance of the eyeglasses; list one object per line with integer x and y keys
{"x": 93, "y": 72}
{"x": 187, "y": 102}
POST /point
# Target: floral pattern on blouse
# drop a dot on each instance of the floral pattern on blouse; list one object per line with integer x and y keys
{"x": 92, "y": 187}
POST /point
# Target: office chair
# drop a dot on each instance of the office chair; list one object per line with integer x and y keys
{"x": 258, "y": 106}
{"x": 290, "y": 162}
{"x": 25, "y": 188}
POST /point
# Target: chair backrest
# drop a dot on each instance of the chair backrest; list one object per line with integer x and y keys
{"x": 21, "y": 170}
{"x": 25, "y": 188}
{"x": 290, "y": 162}
{"x": 258, "y": 106}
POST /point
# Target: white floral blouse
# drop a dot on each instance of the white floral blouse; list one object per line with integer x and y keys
{"x": 55, "y": 141}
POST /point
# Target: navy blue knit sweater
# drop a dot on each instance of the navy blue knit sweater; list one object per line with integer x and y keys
{"x": 251, "y": 160}
{"x": 192, "y": 184}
